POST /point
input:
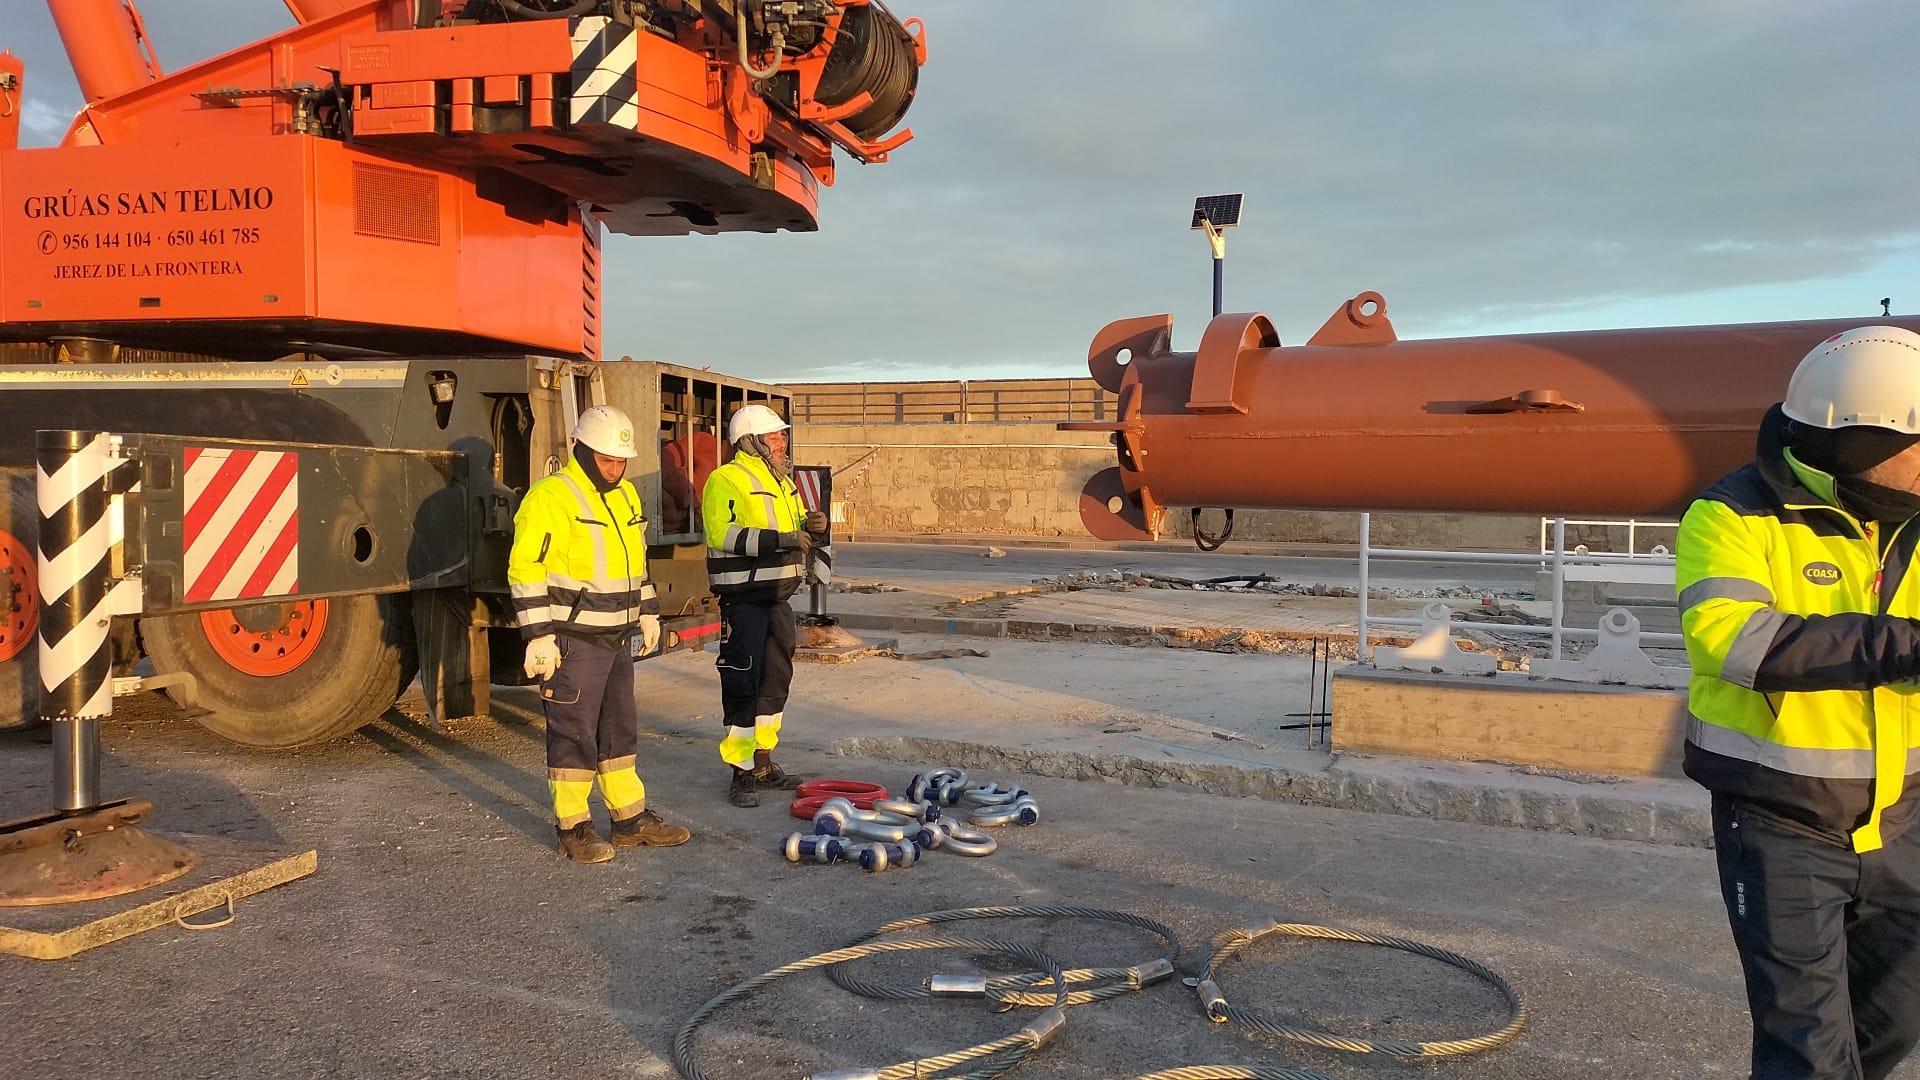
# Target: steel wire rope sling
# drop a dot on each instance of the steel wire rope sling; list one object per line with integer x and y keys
{"x": 1027, "y": 988}
{"x": 989, "y": 1059}
{"x": 1230, "y": 943}
{"x": 1235, "y": 1072}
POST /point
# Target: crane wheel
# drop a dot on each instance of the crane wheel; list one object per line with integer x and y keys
{"x": 288, "y": 673}
{"x": 19, "y": 600}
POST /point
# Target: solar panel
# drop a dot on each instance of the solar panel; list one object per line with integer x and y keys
{"x": 1222, "y": 210}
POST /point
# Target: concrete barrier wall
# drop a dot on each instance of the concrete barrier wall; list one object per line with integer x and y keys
{"x": 1610, "y": 730}
{"x": 969, "y": 479}
{"x": 1024, "y": 480}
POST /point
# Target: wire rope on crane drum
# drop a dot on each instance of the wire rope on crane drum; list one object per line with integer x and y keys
{"x": 872, "y": 53}
{"x": 289, "y": 673}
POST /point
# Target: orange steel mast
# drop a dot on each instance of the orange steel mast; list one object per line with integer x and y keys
{"x": 1617, "y": 422}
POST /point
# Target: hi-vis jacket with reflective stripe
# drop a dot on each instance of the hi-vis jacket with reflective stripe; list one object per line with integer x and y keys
{"x": 1800, "y": 626}
{"x": 579, "y": 560}
{"x": 746, "y": 509}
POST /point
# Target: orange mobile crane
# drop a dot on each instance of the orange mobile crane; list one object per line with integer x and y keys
{"x": 344, "y": 286}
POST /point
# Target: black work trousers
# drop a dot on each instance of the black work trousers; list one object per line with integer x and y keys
{"x": 1829, "y": 941}
{"x": 756, "y": 671}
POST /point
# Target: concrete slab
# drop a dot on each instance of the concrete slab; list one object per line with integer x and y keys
{"x": 1096, "y": 712}
{"x": 1234, "y": 762}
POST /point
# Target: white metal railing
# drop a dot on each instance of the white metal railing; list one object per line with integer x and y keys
{"x": 1632, "y": 525}
{"x": 1648, "y": 568}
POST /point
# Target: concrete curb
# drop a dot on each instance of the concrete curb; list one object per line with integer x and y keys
{"x": 1074, "y": 543}
{"x": 1031, "y": 630}
{"x": 925, "y": 624}
{"x": 1649, "y": 812}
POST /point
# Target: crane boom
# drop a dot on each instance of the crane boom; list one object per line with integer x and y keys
{"x": 426, "y": 176}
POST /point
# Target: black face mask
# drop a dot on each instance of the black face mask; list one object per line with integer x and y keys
{"x": 1875, "y": 502}
{"x": 583, "y": 454}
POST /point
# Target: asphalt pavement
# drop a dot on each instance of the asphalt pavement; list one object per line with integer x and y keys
{"x": 442, "y": 937}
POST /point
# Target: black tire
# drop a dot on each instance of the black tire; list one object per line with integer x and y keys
{"x": 20, "y": 674}
{"x": 353, "y": 676}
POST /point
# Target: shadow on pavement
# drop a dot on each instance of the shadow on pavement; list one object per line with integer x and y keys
{"x": 467, "y": 768}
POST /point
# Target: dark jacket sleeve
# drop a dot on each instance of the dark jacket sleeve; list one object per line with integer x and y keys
{"x": 1839, "y": 652}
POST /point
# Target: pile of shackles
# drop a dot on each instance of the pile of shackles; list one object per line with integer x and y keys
{"x": 858, "y": 822}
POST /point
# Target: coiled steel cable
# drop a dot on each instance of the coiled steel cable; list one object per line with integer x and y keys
{"x": 1232, "y": 942}
{"x": 1012, "y": 990}
{"x": 988, "y": 1060}
{"x": 1030, "y": 988}
{"x": 1235, "y": 1073}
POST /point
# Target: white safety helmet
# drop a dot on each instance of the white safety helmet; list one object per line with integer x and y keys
{"x": 754, "y": 420}
{"x": 1868, "y": 376}
{"x": 606, "y": 430}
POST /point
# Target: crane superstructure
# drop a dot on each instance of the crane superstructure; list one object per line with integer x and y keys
{"x": 337, "y": 295}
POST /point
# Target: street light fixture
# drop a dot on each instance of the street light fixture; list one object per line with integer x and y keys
{"x": 1216, "y": 214}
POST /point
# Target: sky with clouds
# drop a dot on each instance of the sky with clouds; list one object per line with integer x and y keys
{"x": 1494, "y": 166}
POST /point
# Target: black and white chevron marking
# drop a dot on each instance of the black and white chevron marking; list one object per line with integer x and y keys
{"x": 821, "y": 572}
{"x": 605, "y": 61}
{"x": 78, "y": 473}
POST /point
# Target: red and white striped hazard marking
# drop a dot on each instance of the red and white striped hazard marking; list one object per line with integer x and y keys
{"x": 808, "y": 481}
{"x": 242, "y": 529}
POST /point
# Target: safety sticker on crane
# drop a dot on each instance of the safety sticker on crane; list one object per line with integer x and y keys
{"x": 242, "y": 527}
{"x": 605, "y": 73}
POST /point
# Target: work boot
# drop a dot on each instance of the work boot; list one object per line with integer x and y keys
{"x": 740, "y": 791}
{"x": 581, "y": 844}
{"x": 645, "y": 829}
{"x": 769, "y": 776}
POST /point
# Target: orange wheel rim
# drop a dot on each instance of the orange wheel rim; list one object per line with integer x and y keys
{"x": 270, "y": 640}
{"x": 19, "y": 597}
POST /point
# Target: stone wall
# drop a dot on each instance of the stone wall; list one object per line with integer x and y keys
{"x": 1024, "y": 480}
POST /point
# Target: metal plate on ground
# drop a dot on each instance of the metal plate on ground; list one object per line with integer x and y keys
{"x": 229, "y": 870}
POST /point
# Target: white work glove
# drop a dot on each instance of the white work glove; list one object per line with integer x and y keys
{"x": 543, "y": 657}
{"x": 816, "y": 523}
{"x": 649, "y": 634}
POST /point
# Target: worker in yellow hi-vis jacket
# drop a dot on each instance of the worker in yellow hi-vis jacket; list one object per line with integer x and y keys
{"x": 758, "y": 532}
{"x": 1800, "y": 605}
{"x": 578, "y": 572}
